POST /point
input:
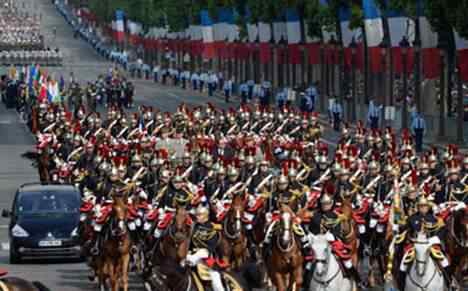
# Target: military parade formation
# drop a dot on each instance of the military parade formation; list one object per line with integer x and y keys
{"x": 194, "y": 198}
{"x": 21, "y": 39}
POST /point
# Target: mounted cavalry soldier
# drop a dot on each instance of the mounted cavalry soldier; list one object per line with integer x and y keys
{"x": 328, "y": 221}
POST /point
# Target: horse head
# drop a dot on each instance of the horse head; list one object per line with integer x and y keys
{"x": 118, "y": 220}
{"x": 322, "y": 251}
{"x": 422, "y": 247}
{"x": 286, "y": 234}
{"x": 179, "y": 233}
{"x": 233, "y": 222}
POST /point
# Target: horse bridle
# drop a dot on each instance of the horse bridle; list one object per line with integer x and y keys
{"x": 172, "y": 234}
{"x": 230, "y": 236}
{"x": 423, "y": 288}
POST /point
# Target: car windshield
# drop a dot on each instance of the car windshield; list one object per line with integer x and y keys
{"x": 46, "y": 203}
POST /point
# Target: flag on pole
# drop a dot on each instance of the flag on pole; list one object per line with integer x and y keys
{"x": 374, "y": 33}
{"x": 279, "y": 29}
{"x": 119, "y": 25}
{"x": 372, "y": 23}
{"x": 208, "y": 37}
{"x": 429, "y": 41}
{"x": 462, "y": 55}
{"x": 264, "y": 31}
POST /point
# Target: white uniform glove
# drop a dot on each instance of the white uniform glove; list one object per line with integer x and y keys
{"x": 195, "y": 258}
{"x": 460, "y": 206}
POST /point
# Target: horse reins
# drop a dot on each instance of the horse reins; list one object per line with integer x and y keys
{"x": 423, "y": 288}
{"x": 226, "y": 231}
{"x": 325, "y": 283}
{"x": 289, "y": 247}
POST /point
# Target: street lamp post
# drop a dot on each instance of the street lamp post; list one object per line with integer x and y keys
{"x": 442, "y": 95}
{"x": 383, "y": 52}
{"x": 353, "y": 47}
{"x": 417, "y": 75}
{"x": 404, "y": 44}
{"x": 333, "y": 47}
{"x": 460, "y": 108}
{"x": 323, "y": 84}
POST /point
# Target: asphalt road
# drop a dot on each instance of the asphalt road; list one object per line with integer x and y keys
{"x": 15, "y": 139}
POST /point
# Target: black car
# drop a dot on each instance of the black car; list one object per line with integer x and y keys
{"x": 44, "y": 222}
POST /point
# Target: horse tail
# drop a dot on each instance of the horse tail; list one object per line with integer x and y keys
{"x": 29, "y": 155}
{"x": 40, "y": 286}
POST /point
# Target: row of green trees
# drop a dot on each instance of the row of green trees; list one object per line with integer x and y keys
{"x": 178, "y": 14}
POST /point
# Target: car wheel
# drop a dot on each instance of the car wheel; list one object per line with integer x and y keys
{"x": 14, "y": 256}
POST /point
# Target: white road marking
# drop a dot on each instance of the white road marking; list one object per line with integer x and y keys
{"x": 4, "y": 226}
{"x": 5, "y": 246}
{"x": 5, "y": 122}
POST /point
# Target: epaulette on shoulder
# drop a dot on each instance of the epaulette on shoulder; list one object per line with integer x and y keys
{"x": 217, "y": 227}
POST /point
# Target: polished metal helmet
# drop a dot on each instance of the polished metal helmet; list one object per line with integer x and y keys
{"x": 326, "y": 199}
{"x": 232, "y": 172}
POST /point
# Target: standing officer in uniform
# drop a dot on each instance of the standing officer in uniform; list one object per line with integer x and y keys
{"x": 336, "y": 114}
{"x": 418, "y": 128}
{"x": 373, "y": 115}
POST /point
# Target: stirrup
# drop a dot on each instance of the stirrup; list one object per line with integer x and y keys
{"x": 94, "y": 251}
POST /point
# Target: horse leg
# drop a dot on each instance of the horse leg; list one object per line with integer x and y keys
{"x": 124, "y": 265}
{"x": 278, "y": 281}
{"x": 113, "y": 276}
{"x": 371, "y": 274}
{"x": 296, "y": 279}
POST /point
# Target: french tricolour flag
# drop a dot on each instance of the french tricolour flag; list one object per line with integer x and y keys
{"x": 372, "y": 23}
{"x": 293, "y": 26}
{"x": 264, "y": 36}
{"x": 293, "y": 29}
{"x": 252, "y": 28}
{"x": 462, "y": 54}
{"x": 429, "y": 41}
{"x": 220, "y": 27}
{"x": 374, "y": 33}
{"x": 279, "y": 29}
{"x": 208, "y": 37}
{"x": 119, "y": 25}
{"x": 400, "y": 26}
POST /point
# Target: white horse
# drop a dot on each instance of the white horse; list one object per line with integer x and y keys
{"x": 424, "y": 274}
{"x": 328, "y": 275}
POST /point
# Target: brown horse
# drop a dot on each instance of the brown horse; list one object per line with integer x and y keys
{"x": 285, "y": 265}
{"x": 349, "y": 232}
{"x": 234, "y": 240}
{"x": 175, "y": 242}
{"x": 168, "y": 254}
{"x": 381, "y": 236}
{"x": 113, "y": 264}
{"x": 457, "y": 244}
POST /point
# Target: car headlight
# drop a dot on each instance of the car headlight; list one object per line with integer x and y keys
{"x": 74, "y": 232}
{"x": 18, "y": 231}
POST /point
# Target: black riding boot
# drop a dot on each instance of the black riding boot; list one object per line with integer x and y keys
{"x": 447, "y": 277}
{"x": 251, "y": 245}
{"x": 357, "y": 277}
{"x": 308, "y": 275}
